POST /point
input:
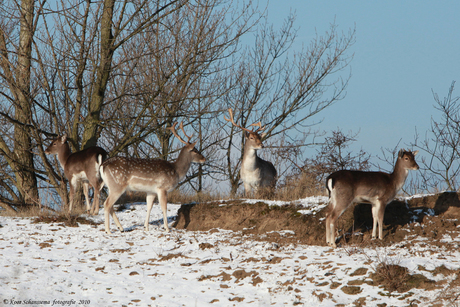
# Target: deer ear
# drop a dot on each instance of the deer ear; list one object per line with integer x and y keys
{"x": 246, "y": 134}
{"x": 192, "y": 145}
{"x": 415, "y": 152}
{"x": 401, "y": 153}
{"x": 262, "y": 135}
{"x": 63, "y": 138}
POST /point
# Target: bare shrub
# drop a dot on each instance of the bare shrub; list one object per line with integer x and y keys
{"x": 392, "y": 277}
{"x": 440, "y": 161}
{"x": 332, "y": 156}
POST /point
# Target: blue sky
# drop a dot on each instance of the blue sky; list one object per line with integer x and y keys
{"x": 404, "y": 50}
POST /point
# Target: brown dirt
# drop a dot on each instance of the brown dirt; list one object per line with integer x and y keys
{"x": 414, "y": 217}
{"x": 64, "y": 220}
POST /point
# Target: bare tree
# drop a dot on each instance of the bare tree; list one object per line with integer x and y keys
{"x": 120, "y": 72}
{"x": 440, "y": 161}
{"x": 334, "y": 156}
{"x": 284, "y": 93}
{"x": 178, "y": 72}
{"x": 16, "y": 147}
{"x": 57, "y": 80}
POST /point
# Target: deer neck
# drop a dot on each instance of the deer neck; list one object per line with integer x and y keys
{"x": 399, "y": 174}
{"x": 249, "y": 157}
{"x": 64, "y": 154}
{"x": 182, "y": 163}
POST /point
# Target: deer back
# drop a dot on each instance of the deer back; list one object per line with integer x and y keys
{"x": 139, "y": 174}
{"x": 88, "y": 161}
{"x": 361, "y": 185}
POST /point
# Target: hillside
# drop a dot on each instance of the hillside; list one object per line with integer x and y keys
{"x": 236, "y": 253}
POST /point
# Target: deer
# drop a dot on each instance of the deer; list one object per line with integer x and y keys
{"x": 152, "y": 176}
{"x": 255, "y": 172}
{"x": 80, "y": 166}
{"x": 377, "y": 188}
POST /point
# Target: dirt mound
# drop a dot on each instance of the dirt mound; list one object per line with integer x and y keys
{"x": 257, "y": 219}
{"x": 429, "y": 216}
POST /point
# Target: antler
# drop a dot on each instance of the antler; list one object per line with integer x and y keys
{"x": 259, "y": 124}
{"x": 233, "y": 122}
{"x": 181, "y": 126}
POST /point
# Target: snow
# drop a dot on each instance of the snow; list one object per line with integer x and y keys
{"x": 53, "y": 265}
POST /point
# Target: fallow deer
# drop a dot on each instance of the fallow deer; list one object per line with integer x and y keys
{"x": 255, "y": 172}
{"x": 80, "y": 166}
{"x": 153, "y": 176}
{"x": 378, "y": 188}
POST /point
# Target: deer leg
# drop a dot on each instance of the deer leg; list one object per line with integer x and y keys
{"x": 97, "y": 193}
{"x": 108, "y": 210}
{"x": 375, "y": 218}
{"x": 115, "y": 219}
{"x": 95, "y": 206}
{"x": 72, "y": 184}
{"x": 85, "y": 192}
{"x": 247, "y": 189}
{"x": 330, "y": 228}
{"x": 338, "y": 205}
{"x": 331, "y": 219}
{"x": 381, "y": 213}
{"x": 106, "y": 215}
{"x": 162, "y": 199}
{"x": 150, "y": 198}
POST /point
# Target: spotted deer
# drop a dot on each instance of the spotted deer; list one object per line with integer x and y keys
{"x": 80, "y": 166}
{"x": 255, "y": 172}
{"x": 377, "y": 188}
{"x": 153, "y": 176}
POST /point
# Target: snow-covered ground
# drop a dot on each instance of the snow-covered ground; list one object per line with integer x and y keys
{"x": 51, "y": 264}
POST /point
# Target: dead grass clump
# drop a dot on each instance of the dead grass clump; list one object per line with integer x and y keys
{"x": 68, "y": 220}
{"x": 28, "y": 211}
{"x": 392, "y": 277}
{"x": 268, "y": 193}
{"x": 299, "y": 186}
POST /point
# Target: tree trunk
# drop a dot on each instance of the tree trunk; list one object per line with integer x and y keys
{"x": 91, "y": 129}
{"x": 24, "y": 162}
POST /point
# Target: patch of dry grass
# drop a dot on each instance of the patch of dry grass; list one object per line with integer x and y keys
{"x": 298, "y": 187}
{"x": 29, "y": 211}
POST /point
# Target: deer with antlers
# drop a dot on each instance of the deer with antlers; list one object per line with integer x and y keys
{"x": 153, "y": 176}
{"x": 255, "y": 172}
{"x": 80, "y": 166}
